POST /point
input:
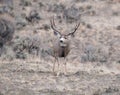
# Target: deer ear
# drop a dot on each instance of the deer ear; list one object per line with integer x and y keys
{"x": 56, "y": 33}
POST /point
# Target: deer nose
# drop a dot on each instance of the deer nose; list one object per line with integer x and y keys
{"x": 61, "y": 41}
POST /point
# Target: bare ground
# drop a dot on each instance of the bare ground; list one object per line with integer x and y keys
{"x": 96, "y": 74}
{"x": 36, "y": 78}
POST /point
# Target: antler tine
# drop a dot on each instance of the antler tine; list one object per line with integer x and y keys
{"x": 53, "y": 25}
{"x": 76, "y": 27}
{"x": 53, "y": 22}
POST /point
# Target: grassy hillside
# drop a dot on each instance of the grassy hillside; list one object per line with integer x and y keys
{"x": 93, "y": 62}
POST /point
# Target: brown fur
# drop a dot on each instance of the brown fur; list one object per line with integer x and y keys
{"x": 61, "y": 47}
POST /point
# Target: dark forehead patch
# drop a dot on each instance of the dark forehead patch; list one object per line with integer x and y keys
{"x": 63, "y": 36}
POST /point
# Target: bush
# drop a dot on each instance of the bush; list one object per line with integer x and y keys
{"x": 6, "y": 32}
{"x": 27, "y": 45}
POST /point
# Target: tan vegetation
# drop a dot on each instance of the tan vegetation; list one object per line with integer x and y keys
{"x": 93, "y": 62}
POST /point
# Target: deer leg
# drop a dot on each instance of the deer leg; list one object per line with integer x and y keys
{"x": 65, "y": 63}
{"x": 58, "y": 72}
{"x": 54, "y": 65}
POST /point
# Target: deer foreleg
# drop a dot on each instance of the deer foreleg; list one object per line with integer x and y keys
{"x": 58, "y": 72}
{"x": 65, "y": 68}
{"x": 54, "y": 66}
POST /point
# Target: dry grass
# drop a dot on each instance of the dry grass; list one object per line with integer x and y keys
{"x": 94, "y": 60}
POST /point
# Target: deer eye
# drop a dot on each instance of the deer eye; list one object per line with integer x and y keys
{"x": 65, "y": 37}
{"x": 60, "y": 37}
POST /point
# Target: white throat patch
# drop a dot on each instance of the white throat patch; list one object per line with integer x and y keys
{"x": 62, "y": 39}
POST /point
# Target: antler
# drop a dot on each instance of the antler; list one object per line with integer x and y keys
{"x": 76, "y": 27}
{"x": 53, "y": 25}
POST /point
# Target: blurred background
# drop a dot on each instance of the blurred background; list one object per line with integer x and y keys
{"x": 95, "y": 49}
{"x": 97, "y": 39}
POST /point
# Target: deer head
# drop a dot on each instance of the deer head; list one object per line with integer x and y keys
{"x": 63, "y": 38}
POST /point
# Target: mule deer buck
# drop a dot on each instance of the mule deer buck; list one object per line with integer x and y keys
{"x": 62, "y": 46}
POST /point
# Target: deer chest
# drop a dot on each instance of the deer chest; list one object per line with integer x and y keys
{"x": 63, "y": 52}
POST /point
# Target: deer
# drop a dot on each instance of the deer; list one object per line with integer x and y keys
{"x": 61, "y": 47}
